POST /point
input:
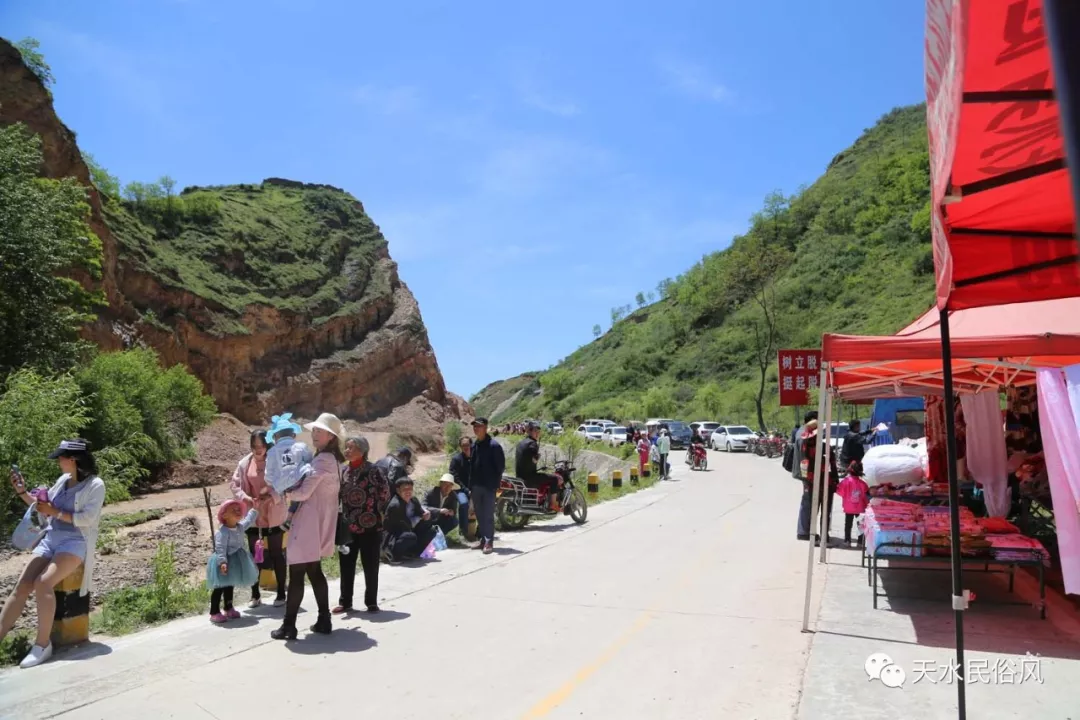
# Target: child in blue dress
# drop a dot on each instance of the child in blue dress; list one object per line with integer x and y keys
{"x": 231, "y": 564}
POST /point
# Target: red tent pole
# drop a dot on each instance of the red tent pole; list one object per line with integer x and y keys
{"x": 1062, "y": 21}
{"x": 958, "y": 600}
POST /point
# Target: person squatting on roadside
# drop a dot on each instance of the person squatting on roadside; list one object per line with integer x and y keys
{"x": 526, "y": 460}
{"x": 442, "y": 503}
{"x": 408, "y": 525}
{"x": 488, "y": 465}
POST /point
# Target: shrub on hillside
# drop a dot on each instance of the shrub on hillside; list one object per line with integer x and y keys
{"x": 452, "y": 434}
{"x": 147, "y": 415}
{"x": 36, "y": 413}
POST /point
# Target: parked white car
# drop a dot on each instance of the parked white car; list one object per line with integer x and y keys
{"x": 731, "y": 437}
{"x": 601, "y": 422}
{"x": 591, "y": 432}
{"x": 554, "y": 428}
{"x": 615, "y": 435}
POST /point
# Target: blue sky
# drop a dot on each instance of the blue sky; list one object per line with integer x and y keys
{"x": 533, "y": 164}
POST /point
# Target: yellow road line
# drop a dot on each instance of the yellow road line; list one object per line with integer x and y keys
{"x": 544, "y": 707}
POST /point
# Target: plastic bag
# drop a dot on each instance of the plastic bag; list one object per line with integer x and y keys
{"x": 895, "y": 464}
{"x": 259, "y": 551}
{"x": 440, "y": 540}
{"x": 429, "y": 551}
{"x": 29, "y": 531}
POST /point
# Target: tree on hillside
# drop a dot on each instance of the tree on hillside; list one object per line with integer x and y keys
{"x": 105, "y": 183}
{"x": 597, "y": 331}
{"x": 28, "y": 48}
{"x": 710, "y": 399}
{"x": 758, "y": 259}
{"x": 657, "y": 402}
{"x": 557, "y": 383}
{"x": 651, "y": 297}
{"x": 617, "y": 314}
{"x": 663, "y": 288}
{"x": 640, "y": 299}
{"x": 43, "y": 232}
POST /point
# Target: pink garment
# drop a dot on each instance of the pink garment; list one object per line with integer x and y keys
{"x": 855, "y": 493}
{"x": 1061, "y": 447}
{"x": 314, "y": 525}
{"x": 986, "y": 459}
{"x": 246, "y": 484}
{"x": 643, "y": 454}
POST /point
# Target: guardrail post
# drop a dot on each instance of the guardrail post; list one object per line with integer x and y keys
{"x": 593, "y": 483}
{"x": 71, "y": 623}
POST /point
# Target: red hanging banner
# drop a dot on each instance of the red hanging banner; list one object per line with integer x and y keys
{"x": 798, "y": 374}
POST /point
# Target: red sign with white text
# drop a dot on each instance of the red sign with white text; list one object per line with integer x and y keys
{"x": 799, "y": 373}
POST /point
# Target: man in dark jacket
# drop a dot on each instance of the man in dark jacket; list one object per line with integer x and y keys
{"x": 488, "y": 464}
{"x": 853, "y": 447}
{"x": 526, "y": 459}
{"x": 396, "y": 465}
{"x": 461, "y": 469}
{"x": 407, "y": 525}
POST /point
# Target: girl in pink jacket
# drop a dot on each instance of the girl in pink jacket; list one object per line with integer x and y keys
{"x": 856, "y": 496}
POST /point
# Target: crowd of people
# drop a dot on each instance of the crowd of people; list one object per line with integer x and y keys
{"x": 291, "y": 507}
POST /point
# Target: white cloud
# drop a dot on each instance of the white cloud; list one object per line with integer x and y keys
{"x": 693, "y": 80}
{"x": 397, "y": 100}
{"x": 562, "y": 108}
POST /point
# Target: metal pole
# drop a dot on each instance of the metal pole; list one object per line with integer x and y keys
{"x": 1062, "y": 23}
{"x": 958, "y": 600}
{"x": 813, "y": 515}
{"x": 824, "y": 451}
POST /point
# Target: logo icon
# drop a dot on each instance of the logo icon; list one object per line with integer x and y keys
{"x": 880, "y": 666}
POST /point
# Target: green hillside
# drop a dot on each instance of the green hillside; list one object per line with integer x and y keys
{"x": 309, "y": 249}
{"x": 850, "y": 253}
{"x": 502, "y": 395}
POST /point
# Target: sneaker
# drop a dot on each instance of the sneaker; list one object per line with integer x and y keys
{"x": 255, "y": 602}
{"x": 279, "y": 601}
{"x": 478, "y": 545}
{"x": 36, "y": 656}
{"x": 232, "y": 613}
{"x": 219, "y": 618}
{"x": 488, "y": 548}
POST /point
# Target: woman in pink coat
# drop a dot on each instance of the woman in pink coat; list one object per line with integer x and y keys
{"x": 311, "y": 536}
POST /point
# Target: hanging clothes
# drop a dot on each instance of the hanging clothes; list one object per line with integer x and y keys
{"x": 936, "y": 454}
{"x": 986, "y": 457}
{"x": 1061, "y": 444}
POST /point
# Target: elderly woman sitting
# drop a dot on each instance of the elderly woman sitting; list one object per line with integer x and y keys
{"x": 407, "y": 524}
{"x": 442, "y": 503}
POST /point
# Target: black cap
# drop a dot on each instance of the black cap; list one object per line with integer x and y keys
{"x": 67, "y": 448}
{"x": 480, "y": 421}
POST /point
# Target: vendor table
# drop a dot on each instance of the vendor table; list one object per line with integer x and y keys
{"x": 1007, "y": 565}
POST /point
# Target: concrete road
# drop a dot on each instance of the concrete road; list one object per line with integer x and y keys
{"x": 683, "y": 601}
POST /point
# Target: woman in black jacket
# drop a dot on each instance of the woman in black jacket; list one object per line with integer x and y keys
{"x": 407, "y": 525}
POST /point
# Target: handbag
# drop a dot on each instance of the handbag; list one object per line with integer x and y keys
{"x": 344, "y": 535}
{"x": 788, "y": 461}
{"x": 29, "y": 531}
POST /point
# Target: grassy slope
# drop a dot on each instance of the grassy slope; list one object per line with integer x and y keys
{"x": 303, "y": 248}
{"x": 861, "y": 264}
{"x": 488, "y": 400}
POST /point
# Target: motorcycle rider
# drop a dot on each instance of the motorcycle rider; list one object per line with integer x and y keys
{"x": 697, "y": 445}
{"x": 526, "y": 457}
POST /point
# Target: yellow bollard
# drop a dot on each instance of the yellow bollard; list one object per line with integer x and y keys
{"x": 267, "y": 579}
{"x": 634, "y": 475}
{"x": 648, "y": 470}
{"x": 593, "y": 484}
{"x": 71, "y": 623}
{"x": 616, "y": 478}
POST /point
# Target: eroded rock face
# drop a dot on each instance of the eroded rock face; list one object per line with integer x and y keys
{"x": 361, "y": 365}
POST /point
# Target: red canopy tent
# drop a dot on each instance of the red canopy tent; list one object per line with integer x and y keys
{"x": 991, "y": 346}
{"x": 1004, "y": 221}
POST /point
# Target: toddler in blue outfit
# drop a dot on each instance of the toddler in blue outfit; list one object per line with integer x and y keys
{"x": 231, "y": 563}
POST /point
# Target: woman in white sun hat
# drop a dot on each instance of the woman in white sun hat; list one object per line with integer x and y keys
{"x": 314, "y": 526}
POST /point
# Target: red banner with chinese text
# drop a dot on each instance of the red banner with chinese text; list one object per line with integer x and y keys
{"x": 798, "y": 374}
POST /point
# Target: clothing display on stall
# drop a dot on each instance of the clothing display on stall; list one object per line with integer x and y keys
{"x": 1061, "y": 445}
{"x": 986, "y": 457}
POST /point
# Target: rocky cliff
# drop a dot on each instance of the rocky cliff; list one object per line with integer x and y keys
{"x": 280, "y": 295}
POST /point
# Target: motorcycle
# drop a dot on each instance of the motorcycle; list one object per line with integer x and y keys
{"x": 696, "y": 457}
{"x": 516, "y": 503}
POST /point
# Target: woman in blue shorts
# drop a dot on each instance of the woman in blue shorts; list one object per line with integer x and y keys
{"x": 74, "y": 510}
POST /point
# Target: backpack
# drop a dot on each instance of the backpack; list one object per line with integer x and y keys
{"x": 788, "y": 460}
